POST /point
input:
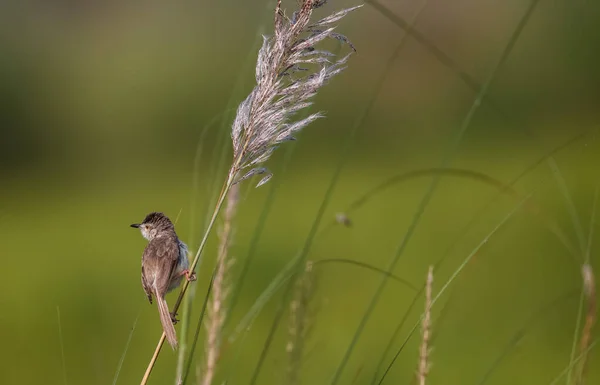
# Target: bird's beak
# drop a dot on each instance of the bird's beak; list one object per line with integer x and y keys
{"x": 135, "y": 225}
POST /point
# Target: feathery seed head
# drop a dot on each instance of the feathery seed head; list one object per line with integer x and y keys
{"x": 265, "y": 118}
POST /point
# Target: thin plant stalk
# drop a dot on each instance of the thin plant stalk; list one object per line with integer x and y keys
{"x": 589, "y": 285}
{"x": 298, "y": 323}
{"x": 572, "y": 364}
{"x": 62, "y": 346}
{"x": 120, "y": 366}
{"x": 424, "y": 349}
{"x": 197, "y": 333}
{"x": 217, "y": 310}
{"x": 540, "y": 313}
{"x": 582, "y": 295}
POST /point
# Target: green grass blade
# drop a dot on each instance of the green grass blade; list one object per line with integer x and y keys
{"x": 573, "y": 363}
{"x": 521, "y": 333}
{"x": 587, "y": 255}
{"x": 420, "y": 38}
{"x": 397, "y": 330}
{"x": 575, "y": 219}
{"x": 197, "y": 331}
{"x": 258, "y": 230}
{"x": 453, "y": 277}
{"x": 366, "y": 266}
{"x": 120, "y": 365}
{"x": 588, "y": 249}
{"x": 575, "y": 335}
{"x": 62, "y": 346}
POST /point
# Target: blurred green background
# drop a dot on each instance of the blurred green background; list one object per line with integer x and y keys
{"x": 103, "y": 106}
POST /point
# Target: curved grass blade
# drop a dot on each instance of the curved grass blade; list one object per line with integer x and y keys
{"x": 520, "y": 334}
{"x": 503, "y": 189}
{"x": 587, "y": 255}
{"x": 390, "y": 182}
{"x": 368, "y": 267}
{"x": 397, "y": 330}
{"x": 197, "y": 332}
{"x": 120, "y": 366}
{"x": 453, "y": 277}
{"x": 573, "y": 363}
{"x": 575, "y": 219}
{"x": 62, "y": 346}
{"x": 420, "y": 38}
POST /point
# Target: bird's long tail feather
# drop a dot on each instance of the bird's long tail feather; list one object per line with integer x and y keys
{"x": 167, "y": 322}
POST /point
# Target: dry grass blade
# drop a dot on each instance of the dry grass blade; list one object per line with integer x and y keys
{"x": 584, "y": 289}
{"x": 572, "y": 364}
{"x": 217, "y": 312}
{"x": 426, "y": 332}
{"x": 589, "y": 287}
{"x": 298, "y": 323}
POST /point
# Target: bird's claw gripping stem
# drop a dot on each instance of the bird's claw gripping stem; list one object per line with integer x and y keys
{"x": 190, "y": 276}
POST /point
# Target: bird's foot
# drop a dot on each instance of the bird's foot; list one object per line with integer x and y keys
{"x": 174, "y": 318}
{"x": 190, "y": 276}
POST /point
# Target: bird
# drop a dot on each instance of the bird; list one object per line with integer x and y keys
{"x": 164, "y": 264}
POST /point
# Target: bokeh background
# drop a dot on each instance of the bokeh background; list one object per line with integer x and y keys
{"x": 104, "y": 105}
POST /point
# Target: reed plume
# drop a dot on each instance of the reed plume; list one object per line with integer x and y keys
{"x": 284, "y": 86}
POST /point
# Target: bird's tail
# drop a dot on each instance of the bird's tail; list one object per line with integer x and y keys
{"x": 167, "y": 322}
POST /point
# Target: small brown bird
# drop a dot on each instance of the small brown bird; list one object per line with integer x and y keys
{"x": 164, "y": 264}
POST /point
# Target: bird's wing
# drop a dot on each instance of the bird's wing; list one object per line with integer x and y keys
{"x": 159, "y": 262}
{"x": 145, "y": 285}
